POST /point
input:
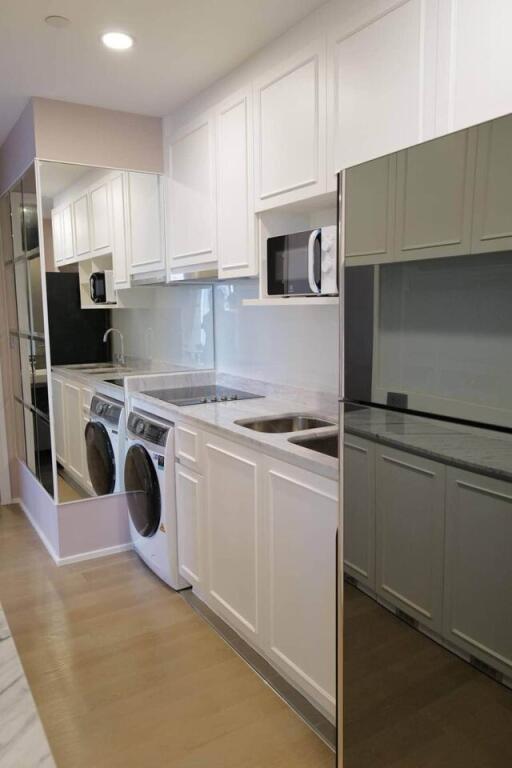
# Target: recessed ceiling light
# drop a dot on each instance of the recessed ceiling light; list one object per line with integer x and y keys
{"x": 60, "y": 22}
{"x": 118, "y": 41}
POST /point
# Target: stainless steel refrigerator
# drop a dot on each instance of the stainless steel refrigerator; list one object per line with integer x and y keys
{"x": 425, "y": 610}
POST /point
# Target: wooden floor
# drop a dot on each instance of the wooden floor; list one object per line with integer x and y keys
{"x": 124, "y": 673}
{"x": 409, "y": 703}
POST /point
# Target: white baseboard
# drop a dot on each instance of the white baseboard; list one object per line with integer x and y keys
{"x": 91, "y": 555}
{"x": 38, "y": 530}
{"x": 94, "y": 554}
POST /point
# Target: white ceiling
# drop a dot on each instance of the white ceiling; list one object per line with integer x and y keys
{"x": 182, "y": 46}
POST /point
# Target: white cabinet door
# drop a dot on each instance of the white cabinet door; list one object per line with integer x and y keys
{"x": 474, "y": 82}
{"x": 492, "y": 216}
{"x": 359, "y": 509}
{"x": 120, "y": 255}
{"x": 301, "y": 511}
{"x": 382, "y": 80}
{"x": 290, "y": 130}
{"x": 58, "y": 254}
{"x": 147, "y": 253}
{"x": 59, "y": 425}
{"x": 370, "y": 191}
{"x": 236, "y": 246}
{"x": 437, "y": 177}
{"x": 233, "y": 531}
{"x": 82, "y": 244}
{"x": 100, "y": 218}
{"x": 67, "y": 251}
{"x": 478, "y": 567}
{"x": 189, "y": 509}
{"x": 192, "y": 228}
{"x": 73, "y": 421}
{"x": 410, "y": 534}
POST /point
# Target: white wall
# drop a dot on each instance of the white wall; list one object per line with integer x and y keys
{"x": 177, "y": 328}
{"x": 297, "y": 346}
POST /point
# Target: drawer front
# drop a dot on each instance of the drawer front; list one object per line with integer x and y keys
{"x": 188, "y": 447}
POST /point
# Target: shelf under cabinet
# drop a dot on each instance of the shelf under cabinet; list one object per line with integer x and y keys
{"x": 296, "y": 301}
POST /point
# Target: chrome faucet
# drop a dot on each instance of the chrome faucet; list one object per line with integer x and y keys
{"x": 120, "y": 358}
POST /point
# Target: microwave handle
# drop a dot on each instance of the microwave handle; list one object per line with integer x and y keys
{"x": 311, "y": 261}
{"x": 92, "y": 287}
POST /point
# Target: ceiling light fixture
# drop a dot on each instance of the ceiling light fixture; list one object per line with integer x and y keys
{"x": 59, "y": 22}
{"x": 118, "y": 41}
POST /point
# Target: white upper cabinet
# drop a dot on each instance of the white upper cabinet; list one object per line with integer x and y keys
{"x": 290, "y": 130}
{"x": 66, "y": 245}
{"x": 81, "y": 226}
{"x": 382, "y": 83}
{"x": 235, "y": 187}
{"x": 145, "y": 211}
{"x": 58, "y": 255}
{"x": 437, "y": 177}
{"x": 100, "y": 218}
{"x": 370, "y": 211}
{"x": 192, "y": 236}
{"x": 474, "y": 82}
{"x": 120, "y": 251}
{"x": 492, "y": 217}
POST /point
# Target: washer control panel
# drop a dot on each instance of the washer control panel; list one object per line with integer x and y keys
{"x": 107, "y": 410}
{"x": 142, "y": 427}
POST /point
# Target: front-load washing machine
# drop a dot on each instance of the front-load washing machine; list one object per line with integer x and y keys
{"x": 150, "y": 487}
{"x": 105, "y": 438}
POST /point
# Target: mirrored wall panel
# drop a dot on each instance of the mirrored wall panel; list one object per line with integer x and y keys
{"x": 23, "y": 276}
{"x": 113, "y": 320}
{"x": 427, "y": 454}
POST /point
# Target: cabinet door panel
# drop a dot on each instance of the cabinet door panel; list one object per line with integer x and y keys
{"x": 302, "y": 520}
{"x": 437, "y": 177}
{"x": 290, "y": 127}
{"x": 232, "y": 496}
{"x": 100, "y": 218}
{"x": 67, "y": 234}
{"x": 492, "y": 219}
{"x": 145, "y": 223}
{"x": 81, "y": 226}
{"x": 235, "y": 203}
{"x": 58, "y": 423}
{"x": 73, "y": 422}
{"x": 58, "y": 255}
{"x": 370, "y": 212}
{"x": 192, "y": 196}
{"x": 189, "y": 504}
{"x": 410, "y": 534}
{"x": 119, "y": 235}
{"x": 478, "y": 582}
{"x": 359, "y": 509}
{"x": 383, "y": 75}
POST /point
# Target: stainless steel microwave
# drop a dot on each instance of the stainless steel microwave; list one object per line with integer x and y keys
{"x": 303, "y": 263}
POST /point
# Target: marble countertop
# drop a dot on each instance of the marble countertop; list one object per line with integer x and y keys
{"x": 477, "y": 450}
{"x": 23, "y": 743}
{"x": 221, "y": 418}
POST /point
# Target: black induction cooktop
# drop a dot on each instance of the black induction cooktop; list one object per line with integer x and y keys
{"x": 209, "y": 393}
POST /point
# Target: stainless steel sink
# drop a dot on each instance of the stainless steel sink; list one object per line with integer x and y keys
{"x": 327, "y": 444}
{"x": 277, "y": 424}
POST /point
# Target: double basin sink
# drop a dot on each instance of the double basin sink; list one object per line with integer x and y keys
{"x": 325, "y": 443}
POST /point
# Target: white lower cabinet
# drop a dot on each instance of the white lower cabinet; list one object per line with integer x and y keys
{"x": 410, "y": 534}
{"x": 58, "y": 419}
{"x": 189, "y": 505}
{"x": 73, "y": 424}
{"x": 299, "y": 564}
{"x": 256, "y": 539}
{"x": 478, "y": 567}
{"x": 359, "y": 509}
{"x": 233, "y": 533}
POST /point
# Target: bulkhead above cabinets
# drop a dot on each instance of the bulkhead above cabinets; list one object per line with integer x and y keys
{"x": 104, "y": 221}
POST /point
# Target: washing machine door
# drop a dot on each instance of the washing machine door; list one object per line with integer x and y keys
{"x": 101, "y": 460}
{"x": 143, "y": 489}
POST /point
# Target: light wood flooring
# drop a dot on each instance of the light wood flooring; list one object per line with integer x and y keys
{"x": 409, "y": 703}
{"x": 125, "y": 673}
